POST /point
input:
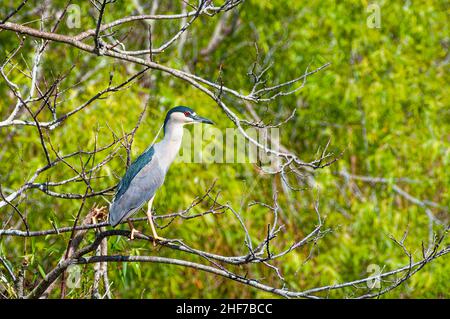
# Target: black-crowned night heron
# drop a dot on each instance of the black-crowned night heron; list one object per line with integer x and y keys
{"x": 146, "y": 174}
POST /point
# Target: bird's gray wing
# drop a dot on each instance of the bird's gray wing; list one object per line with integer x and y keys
{"x": 135, "y": 167}
{"x": 142, "y": 179}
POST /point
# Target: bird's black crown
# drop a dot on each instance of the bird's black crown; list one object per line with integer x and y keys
{"x": 181, "y": 109}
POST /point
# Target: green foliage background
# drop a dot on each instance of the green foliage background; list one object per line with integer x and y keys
{"x": 384, "y": 99}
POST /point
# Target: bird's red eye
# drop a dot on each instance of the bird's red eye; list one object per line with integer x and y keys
{"x": 187, "y": 114}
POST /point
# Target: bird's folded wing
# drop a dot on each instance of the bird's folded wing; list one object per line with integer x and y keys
{"x": 136, "y": 190}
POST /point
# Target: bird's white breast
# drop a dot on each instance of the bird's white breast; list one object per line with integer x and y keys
{"x": 167, "y": 150}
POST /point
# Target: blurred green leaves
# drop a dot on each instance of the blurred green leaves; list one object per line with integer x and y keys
{"x": 384, "y": 99}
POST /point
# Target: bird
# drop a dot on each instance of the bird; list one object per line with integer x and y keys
{"x": 147, "y": 173}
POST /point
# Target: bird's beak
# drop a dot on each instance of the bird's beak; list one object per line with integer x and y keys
{"x": 200, "y": 119}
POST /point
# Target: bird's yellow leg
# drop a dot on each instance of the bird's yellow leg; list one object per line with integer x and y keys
{"x": 152, "y": 225}
{"x": 133, "y": 230}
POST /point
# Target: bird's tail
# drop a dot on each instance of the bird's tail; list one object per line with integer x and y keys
{"x": 114, "y": 216}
